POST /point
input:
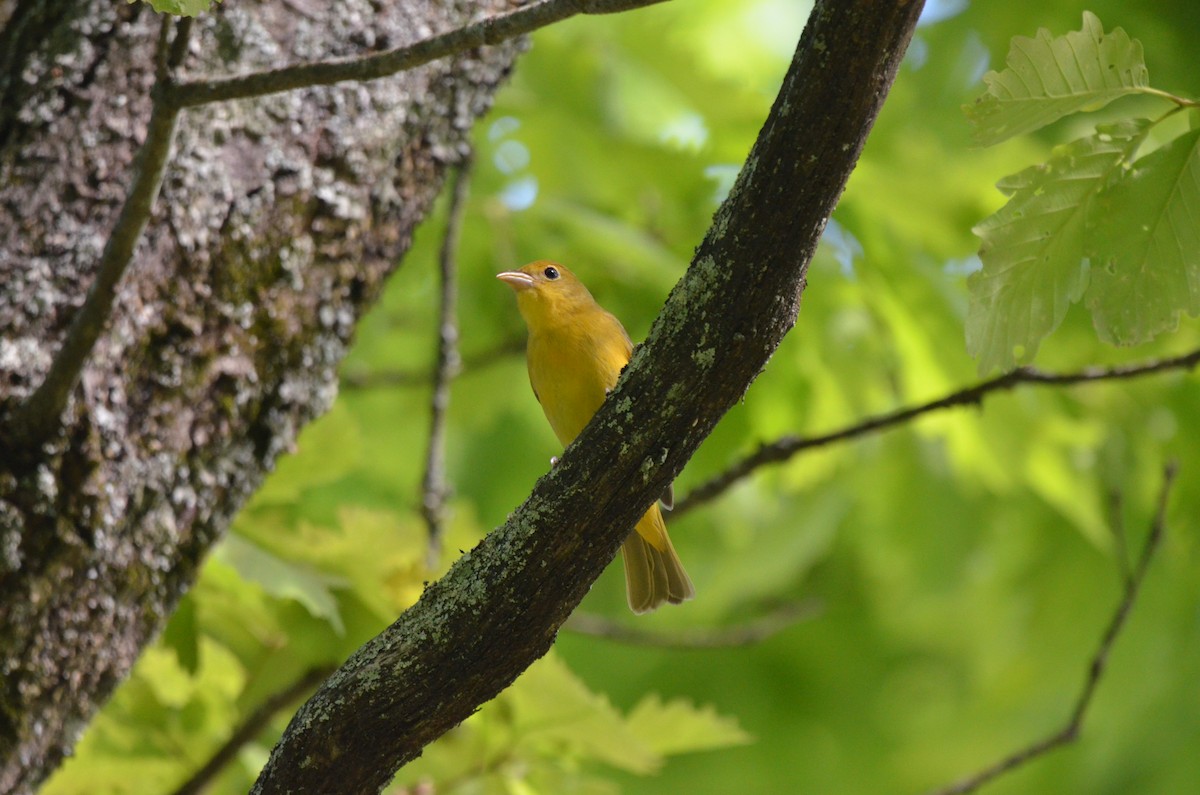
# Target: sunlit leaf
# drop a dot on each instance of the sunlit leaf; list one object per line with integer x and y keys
{"x": 1049, "y": 77}
{"x": 1144, "y": 242}
{"x": 337, "y": 436}
{"x": 648, "y": 108}
{"x": 182, "y": 635}
{"x": 676, "y": 727}
{"x": 553, "y": 707}
{"x": 1033, "y": 247}
{"x": 283, "y": 578}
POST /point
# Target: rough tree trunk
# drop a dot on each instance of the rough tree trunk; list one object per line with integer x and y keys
{"x": 278, "y": 222}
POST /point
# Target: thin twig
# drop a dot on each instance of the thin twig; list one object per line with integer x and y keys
{"x": 251, "y": 728}
{"x": 179, "y": 47}
{"x": 1116, "y": 509}
{"x": 784, "y": 448}
{"x": 493, "y": 30}
{"x": 388, "y": 379}
{"x": 33, "y": 422}
{"x": 446, "y": 365}
{"x": 746, "y": 634}
{"x": 1096, "y": 666}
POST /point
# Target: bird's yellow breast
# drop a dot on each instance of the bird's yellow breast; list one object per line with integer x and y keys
{"x": 573, "y": 365}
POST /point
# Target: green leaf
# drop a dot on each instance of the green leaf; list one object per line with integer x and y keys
{"x": 676, "y": 727}
{"x": 1033, "y": 248}
{"x": 283, "y": 579}
{"x": 554, "y": 709}
{"x": 1050, "y": 77}
{"x": 1144, "y": 240}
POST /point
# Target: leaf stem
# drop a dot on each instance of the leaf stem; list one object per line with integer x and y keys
{"x": 1182, "y": 102}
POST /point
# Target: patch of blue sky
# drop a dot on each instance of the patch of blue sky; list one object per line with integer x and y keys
{"x": 844, "y": 246}
{"x": 520, "y": 194}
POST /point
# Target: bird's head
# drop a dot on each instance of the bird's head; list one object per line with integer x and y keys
{"x": 547, "y": 292}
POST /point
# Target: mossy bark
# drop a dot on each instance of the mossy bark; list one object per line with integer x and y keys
{"x": 279, "y": 220}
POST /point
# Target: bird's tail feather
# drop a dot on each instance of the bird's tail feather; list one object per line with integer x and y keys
{"x": 653, "y": 575}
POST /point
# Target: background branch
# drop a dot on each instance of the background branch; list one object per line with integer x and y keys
{"x": 784, "y": 448}
{"x": 434, "y": 490}
{"x": 493, "y": 30}
{"x": 38, "y": 415}
{"x": 1096, "y": 666}
{"x": 745, "y": 634}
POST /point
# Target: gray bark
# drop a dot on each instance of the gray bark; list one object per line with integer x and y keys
{"x": 278, "y": 222}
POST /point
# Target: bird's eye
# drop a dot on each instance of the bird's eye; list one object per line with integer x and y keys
{"x": 551, "y": 273}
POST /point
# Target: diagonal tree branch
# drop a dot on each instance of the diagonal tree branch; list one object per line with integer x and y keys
{"x": 1096, "y": 666}
{"x": 500, "y": 606}
{"x": 784, "y": 448}
{"x": 492, "y": 30}
{"x": 447, "y": 363}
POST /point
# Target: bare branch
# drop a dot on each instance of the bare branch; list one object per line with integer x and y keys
{"x": 1116, "y": 510}
{"x": 388, "y": 379}
{"x": 447, "y": 363}
{"x": 784, "y": 448}
{"x": 493, "y": 30}
{"x": 35, "y": 419}
{"x": 746, "y": 634}
{"x": 251, "y": 728}
{"x": 1096, "y": 666}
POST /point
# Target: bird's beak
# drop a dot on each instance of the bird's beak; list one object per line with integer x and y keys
{"x": 516, "y": 280}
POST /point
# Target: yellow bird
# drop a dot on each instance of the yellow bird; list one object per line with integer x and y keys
{"x": 575, "y": 352}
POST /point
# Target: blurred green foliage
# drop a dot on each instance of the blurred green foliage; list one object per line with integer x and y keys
{"x": 966, "y": 564}
{"x": 1109, "y": 219}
